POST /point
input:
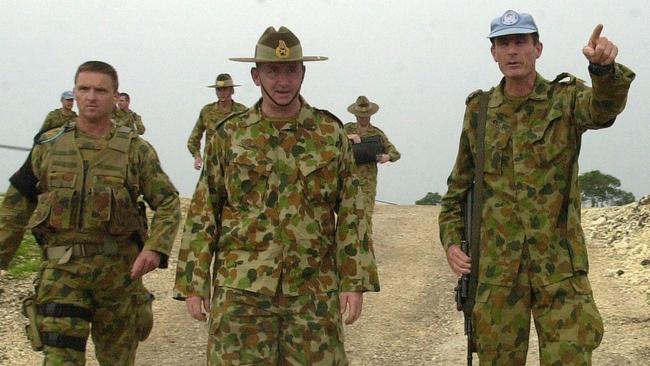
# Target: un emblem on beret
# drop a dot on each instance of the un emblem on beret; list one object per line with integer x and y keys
{"x": 282, "y": 51}
{"x": 510, "y": 17}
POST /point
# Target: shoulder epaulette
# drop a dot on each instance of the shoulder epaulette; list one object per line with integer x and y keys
{"x": 472, "y": 95}
{"x": 52, "y": 134}
{"x": 565, "y": 78}
{"x": 329, "y": 114}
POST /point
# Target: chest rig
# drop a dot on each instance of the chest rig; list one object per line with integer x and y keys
{"x": 84, "y": 200}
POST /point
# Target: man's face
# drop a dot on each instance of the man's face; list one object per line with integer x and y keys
{"x": 67, "y": 104}
{"x": 363, "y": 121}
{"x": 225, "y": 94}
{"x": 516, "y": 55}
{"x": 280, "y": 81}
{"x": 123, "y": 103}
{"x": 95, "y": 94}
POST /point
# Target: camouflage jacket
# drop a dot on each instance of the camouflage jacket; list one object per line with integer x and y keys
{"x": 129, "y": 119}
{"x": 208, "y": 119}
{"x": 57, "y": 118}
{"x": 532, "y": 196}
{"x": 277, "y": 205}
{"x": 368, "y": 172}
{"x": 86, "y": 193}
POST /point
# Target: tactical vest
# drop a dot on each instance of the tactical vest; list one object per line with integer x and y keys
{"x": 89, "y": 200}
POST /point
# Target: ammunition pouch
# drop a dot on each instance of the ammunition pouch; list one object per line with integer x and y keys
{"x": 144, "y": 316}
{"x": 367, "y": 150}
{"x": 30, "y": 311}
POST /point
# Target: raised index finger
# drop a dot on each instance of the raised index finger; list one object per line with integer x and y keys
{"x": 595, "y": 35}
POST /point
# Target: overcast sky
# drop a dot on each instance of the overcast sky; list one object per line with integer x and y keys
{"x": 417, "y": 59}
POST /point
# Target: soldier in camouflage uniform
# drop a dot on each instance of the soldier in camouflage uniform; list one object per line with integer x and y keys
{"x": 533, "y": 257}
{"x": 363, "y": 109}
{"x": 60, "y": 116}
{"x": 277, "y": 207}
{"x": 134, "y": 121}
{"x": 211, "y": 114}
{"x": 81, "y": 183}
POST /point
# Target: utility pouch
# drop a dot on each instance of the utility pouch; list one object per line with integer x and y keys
{"x": 30, "y": 311}
{"x": 144, "y": 320}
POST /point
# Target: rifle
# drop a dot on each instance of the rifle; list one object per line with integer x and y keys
{"x": 466, "y": 287}
{"x": 470, "y": 244}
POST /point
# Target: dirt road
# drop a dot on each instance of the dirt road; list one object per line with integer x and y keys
{"x": 412, "y": 321}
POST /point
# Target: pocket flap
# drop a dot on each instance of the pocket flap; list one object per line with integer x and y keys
{"x": 62, "y": 180}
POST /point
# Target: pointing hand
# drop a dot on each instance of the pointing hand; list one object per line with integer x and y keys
{"x": 600, "y": 50}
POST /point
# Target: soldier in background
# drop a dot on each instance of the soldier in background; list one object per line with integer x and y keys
{"x": 275, "y": 179}
{"x": 77, "y": 191}
{"x": 211, "y": 114}
{"x": 363, "y": 130}
{"x": 130, "y": 119}
{"x": 533, "y": 257}
{"x": 60, "y": 116}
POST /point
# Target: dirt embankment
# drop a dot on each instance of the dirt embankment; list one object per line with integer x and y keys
{"x": 413, "y": 320}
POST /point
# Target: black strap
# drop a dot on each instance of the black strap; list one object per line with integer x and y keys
{"x": 63, "y": 341}
{"x": 25, "y": 181}
{"x": 64, "y": 311}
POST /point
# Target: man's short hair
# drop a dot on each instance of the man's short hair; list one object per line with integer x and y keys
{"x": 99, "y": 67}
{"x": 535, "y": 37}
{"x": 126, "y": 95}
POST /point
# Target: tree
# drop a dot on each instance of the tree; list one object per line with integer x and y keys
{"x": 602, "y": 190}
{"x": 429, "y": 199}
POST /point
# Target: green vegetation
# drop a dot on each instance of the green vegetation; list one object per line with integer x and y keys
{"x": 27, "y": 259}
{"x": 432, "y": 198}
{"x": 602, "y": 190}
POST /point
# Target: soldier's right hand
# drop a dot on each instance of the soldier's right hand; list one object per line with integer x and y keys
{"x": 355, "y": 138}
{"x": 458, "y": 261}
{"x": 198, "y": 162}
{"x": 198, "y": 307}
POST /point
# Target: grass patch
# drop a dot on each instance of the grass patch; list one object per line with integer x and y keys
{"x": 27, "y": 259}
{"x": 28, "y": 256}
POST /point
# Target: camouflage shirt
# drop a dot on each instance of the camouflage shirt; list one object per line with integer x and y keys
{"x": 57, "y": 118}
{"x": 532, "y": 196}
{"x": 368, "y": 172}
{"x": 208, "y": 119}
{"x": 277, "y": 205}
{"x": 143, "y": 168}
{"x": 129, "y": 119}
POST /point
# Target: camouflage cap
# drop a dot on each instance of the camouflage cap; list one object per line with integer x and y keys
{"x": 278, "y": 46}
{"x": 222, "y": 81}
{"x": 512, "y": 22}
{"x": 363, "y": 107}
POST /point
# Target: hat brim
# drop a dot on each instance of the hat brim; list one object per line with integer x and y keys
{"x": 223, "y": 86}
{"x": 363, "y": 113}
{"x": 509, "y": 31}
{"x": 263, "y": 60}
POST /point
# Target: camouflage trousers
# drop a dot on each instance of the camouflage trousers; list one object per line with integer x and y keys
{"x": 103, "y": 285}
{"x": 568, "y": 324}
{"x": 247, "y": 328}
{"x": 369, "y": 191}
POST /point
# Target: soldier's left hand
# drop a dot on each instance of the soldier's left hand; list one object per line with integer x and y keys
{"x": 353, "y": 302}
{"x": 383, "y": 158}
{"x": 147, "y": 261}
{"x": 600, "y": 50}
